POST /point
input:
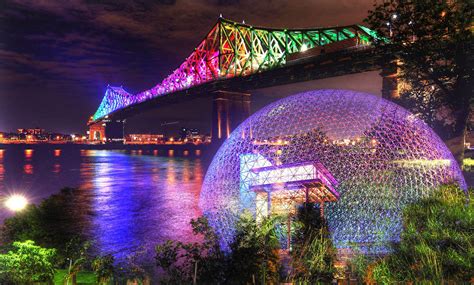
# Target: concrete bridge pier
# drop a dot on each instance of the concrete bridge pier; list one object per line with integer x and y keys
{"x": 229, "y": 109}
{"x": 107, "y": 131}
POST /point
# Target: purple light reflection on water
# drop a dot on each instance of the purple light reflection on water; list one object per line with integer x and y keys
{"x": 126, "y": 201}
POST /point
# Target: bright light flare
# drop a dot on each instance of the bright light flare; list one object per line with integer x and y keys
{"x": 303, "y": 48}
{"x": 16, "y": 202}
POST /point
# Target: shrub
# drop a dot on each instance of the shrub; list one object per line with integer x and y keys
{"x": 28, "y": 263}
{"x": 313, "y": 253}
{"x": 437, "y": 243}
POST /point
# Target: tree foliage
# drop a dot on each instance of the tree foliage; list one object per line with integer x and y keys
{"x": 26, "y": 264}
{"x": 313, "y": 253}
{"x": 437, "y": 242}
{"x": 181, "y": 261}
{"x": 133, "y": 268}
{"x": 254, "y": 255}
{"x": 254, "y": 251}
{"x": 55, "y": 223}
{"x": 104, "y": 268}
{"x": 432, "y": 41}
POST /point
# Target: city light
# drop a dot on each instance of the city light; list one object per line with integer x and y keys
{"x": 16, "y": 202}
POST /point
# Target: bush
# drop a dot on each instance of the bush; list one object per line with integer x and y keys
{"x": 180, "y": 260}
{"x": 254, "y": 255}
{"x": 55, "y": 223}
{"x": 104, "y": 268}
{"x": 254, "y": 251}
{"x": 437, "y": 242}
{"x": 313, "y": 253}
{"x": 28, "y": 263}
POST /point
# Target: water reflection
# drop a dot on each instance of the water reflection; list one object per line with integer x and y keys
{"x": 126, "y": 199}
{"x": 28, "y": 169}
{"x": 56, "y": 168}
{"x": 2, "y": 169}
{"x": 28, "y": 154}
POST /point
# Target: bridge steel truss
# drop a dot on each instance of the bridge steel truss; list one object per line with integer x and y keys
{"x": 232, "y": 50}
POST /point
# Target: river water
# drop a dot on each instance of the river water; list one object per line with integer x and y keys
{"x": 130, "y": 198}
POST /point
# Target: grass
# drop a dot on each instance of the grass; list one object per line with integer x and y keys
{"x": 83, "y": 277}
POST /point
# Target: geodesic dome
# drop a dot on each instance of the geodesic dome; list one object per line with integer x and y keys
{"x": 366, "y": 156}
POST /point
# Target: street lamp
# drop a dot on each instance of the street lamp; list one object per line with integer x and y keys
{"x": 16, "y": 202}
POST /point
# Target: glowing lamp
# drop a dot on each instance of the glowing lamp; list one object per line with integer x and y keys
{"x": 16, "y": 202}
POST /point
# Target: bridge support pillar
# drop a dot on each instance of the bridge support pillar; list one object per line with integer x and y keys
{"x": 107, "y": 131}
{"x": 229, "y": 109}
{"x": 390, "y": 81}
{"x": 96, "y": 132}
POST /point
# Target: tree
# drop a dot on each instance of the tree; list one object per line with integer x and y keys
{"x": 28, "y": 263}
{"x": 253, "y": 256}
{"x": 78, "y": 255}
{"x": 254, "y": 251}
{"x": 132, "y": 269}
{"x": 55, "y": 223}
{"x": 432, "y": 42}
{"x": 313, "y": 253}
{"x": 104, "y": 268}
{"x": 437, "y": 243}
{"x": 184, "y": 262}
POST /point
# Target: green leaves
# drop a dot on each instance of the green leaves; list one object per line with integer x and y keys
{"x": 432, "y": 43}
{"x": 436, "y": 243}
{"x": 57, "y": 222}
{"x": 181, "y": 261}
{"x": 104, "y": 268}
{"x": 313, "y": 252}
{"x": 27, "y": 263}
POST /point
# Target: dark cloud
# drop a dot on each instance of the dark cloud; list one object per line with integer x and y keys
{"x": 57, "y": 55}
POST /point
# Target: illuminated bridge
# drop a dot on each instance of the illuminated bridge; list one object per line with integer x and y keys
{"x": 234, "y": 58}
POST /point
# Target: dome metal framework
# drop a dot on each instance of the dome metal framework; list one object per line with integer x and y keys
{"x": 367, "y": 157}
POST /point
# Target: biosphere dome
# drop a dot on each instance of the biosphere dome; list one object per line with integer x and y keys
{"x": 363, "y": 156}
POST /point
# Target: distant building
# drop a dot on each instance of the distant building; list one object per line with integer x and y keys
{"x": 40, "y": 136}
{"x": 31, "y": 135}
{"x": 34, "y": 131}
{"x": 190, "y": 135}
{"x": 145, "y": 139}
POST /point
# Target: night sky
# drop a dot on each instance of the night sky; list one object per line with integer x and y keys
{"x": 57, "y": 57}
